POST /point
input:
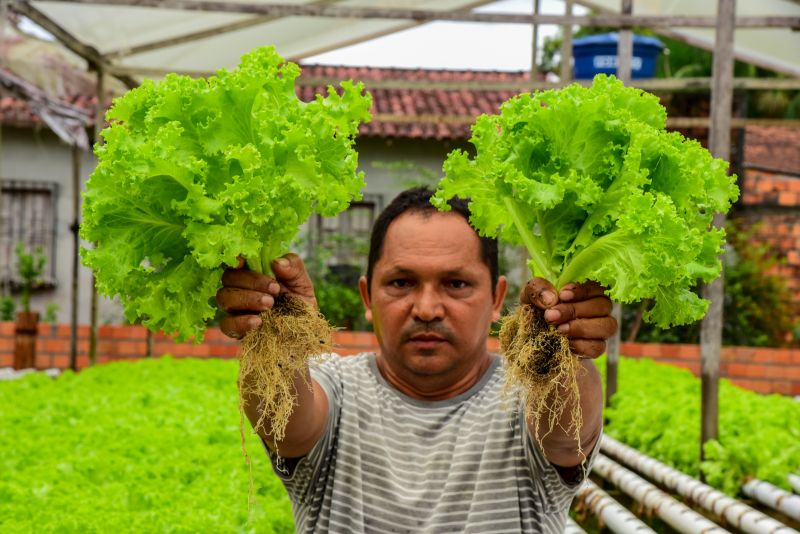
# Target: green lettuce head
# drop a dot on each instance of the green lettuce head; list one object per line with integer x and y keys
{"x": 197, "y": 172}
{"x": 591, "y": 183}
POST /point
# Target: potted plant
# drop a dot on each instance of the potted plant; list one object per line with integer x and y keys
{"x": 30, "y": 267}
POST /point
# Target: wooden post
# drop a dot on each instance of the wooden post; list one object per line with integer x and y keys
{"x": 624, "y": 53}
{"x": 535, "y": 44}
{"x": 719, "y": 141}
{"x": 566, "y": 46}
{"x": 76, "y": 195}
{"x": 99, "y": 115}
{"x": 625, "y": 46}
{"x": 25, "y": 329}
{"x": 612, "y": 356}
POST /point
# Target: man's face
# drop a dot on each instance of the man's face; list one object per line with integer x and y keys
{"x": 431, "y": 300}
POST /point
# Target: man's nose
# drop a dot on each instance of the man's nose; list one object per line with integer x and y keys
{"x": 428, "y": 305}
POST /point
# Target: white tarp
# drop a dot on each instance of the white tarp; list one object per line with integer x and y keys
{"x": 115, "y": 28}
{"x": 111, "y": 29}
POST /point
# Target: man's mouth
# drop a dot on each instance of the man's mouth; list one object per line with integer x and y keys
{"x": 426, "y": 340}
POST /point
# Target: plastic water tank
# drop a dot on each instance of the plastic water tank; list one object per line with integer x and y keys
{"x": 597, "y": 54}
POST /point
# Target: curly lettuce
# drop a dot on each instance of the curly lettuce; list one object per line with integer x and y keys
{"x": 595, "y": 188}
{"x": 197, "y": 172}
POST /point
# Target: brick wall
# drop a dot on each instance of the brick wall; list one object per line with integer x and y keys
{"x": 772, "y": 202}
{"x": 764, "y": 370}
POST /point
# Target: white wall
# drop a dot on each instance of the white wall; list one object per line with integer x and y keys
{"x": 38, "y": 155}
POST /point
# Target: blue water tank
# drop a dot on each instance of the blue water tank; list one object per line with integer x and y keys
{"x": 597, "y": 54}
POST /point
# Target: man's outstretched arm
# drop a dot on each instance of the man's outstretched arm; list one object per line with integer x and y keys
{"x": 582, "y": 313}
{"x": 244, "y": 295}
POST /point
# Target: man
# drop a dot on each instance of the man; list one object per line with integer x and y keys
{"x": 418, "y": 437}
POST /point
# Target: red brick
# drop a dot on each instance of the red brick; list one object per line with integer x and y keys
{"x": 223, "y": 351}
{"x": 795, "y": 388}
{"x": 6, "y": 360}
{"x": 759, "y": 386}
{"x": 784, "y": 387}
{"x": 739, "y": 370}
{"x": 61, "y": 361}
{"x": 7, "y": 328}
{"x": 787, "y": 198}
{"x": 215, "y": 334}
{"x": 53, "y": 345}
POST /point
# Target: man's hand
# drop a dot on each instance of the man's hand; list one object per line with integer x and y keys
{"x": 245, "y": 294}
{"x": 582, "y": 312}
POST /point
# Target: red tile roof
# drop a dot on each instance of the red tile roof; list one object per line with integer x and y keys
{"x": 434, "y": 113}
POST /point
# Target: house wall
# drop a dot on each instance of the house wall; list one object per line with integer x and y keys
{"x": 38, "y": 156}
{"x": 425, "y": 153}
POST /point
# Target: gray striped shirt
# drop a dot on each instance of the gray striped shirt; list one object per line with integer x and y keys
{"x": 390, "y": 463}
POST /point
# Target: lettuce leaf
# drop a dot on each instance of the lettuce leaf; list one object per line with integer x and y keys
{"x": 589, "y": 181}
{"x": 196, "y": 172}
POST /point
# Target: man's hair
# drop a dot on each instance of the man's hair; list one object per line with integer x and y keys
{"x": 417, "y": 200}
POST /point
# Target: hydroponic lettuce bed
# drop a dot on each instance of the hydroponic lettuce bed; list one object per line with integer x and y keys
{"x": 657, "y": 411}
{"x": 148, "y": 446}
{"x": 153, "y": 445}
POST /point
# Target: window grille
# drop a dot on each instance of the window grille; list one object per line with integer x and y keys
{"x": 346, "y": 236}
{"x": 27, "y": 215}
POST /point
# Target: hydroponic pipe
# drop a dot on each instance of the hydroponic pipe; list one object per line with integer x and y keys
{"x": 774, "y": 497}
{"x": 611, "y": 513}
{"x": 734, "y": 512}
{"x": 794, "y": 482}
{"x": 573, "y": 528}
{"x": 679, "y": 516}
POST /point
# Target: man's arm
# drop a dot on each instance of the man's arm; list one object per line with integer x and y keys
{"x": 244, "y": 294}
{"x": 582, "y": 313}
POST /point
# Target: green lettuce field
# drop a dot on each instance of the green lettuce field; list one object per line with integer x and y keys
{"x": 146, "y": 446}
{"x": 154, "y": 445}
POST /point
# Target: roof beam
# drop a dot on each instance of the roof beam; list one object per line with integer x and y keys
{"x": 649, "y": 84}
{"x": 461, "y": 15}
{"x": 672, "y": 122}
{"x": 89, "y": 53}
{"x": 194, "y": 36}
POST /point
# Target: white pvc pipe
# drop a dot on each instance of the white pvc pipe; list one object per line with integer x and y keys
{"x": 774, "y": 497}
{"x": 794, "y": 482}
{"x": 612, "y": 514}
{"x": 572, "y": 527}
{"x": 735, "y": 513}
{"x": 679, "y": 516}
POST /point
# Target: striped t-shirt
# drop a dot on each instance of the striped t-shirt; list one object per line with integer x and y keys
{"x": 390, "y": 463}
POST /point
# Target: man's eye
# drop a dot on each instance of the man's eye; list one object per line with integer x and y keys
{"x": 399, "y": 283}
{"x": 457, "y": 284}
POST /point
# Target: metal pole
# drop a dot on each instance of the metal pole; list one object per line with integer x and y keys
{"x": 624, "y": 53}
{"x": 612, "y": 356}
{"x": 98, "y": 127}
{"x": 719, "y": 141}
{"x": 566, "y": 46}
{"x": 76, "y": 187}
{"x": 625, "y": 46}
{"x": 535, "y": 44}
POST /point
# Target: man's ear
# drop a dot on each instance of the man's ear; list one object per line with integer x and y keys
{"x": 500, "y": 291}
{"x": 363, "y": 289}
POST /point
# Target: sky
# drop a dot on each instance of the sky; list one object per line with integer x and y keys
{"x": 454, "y": 45}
